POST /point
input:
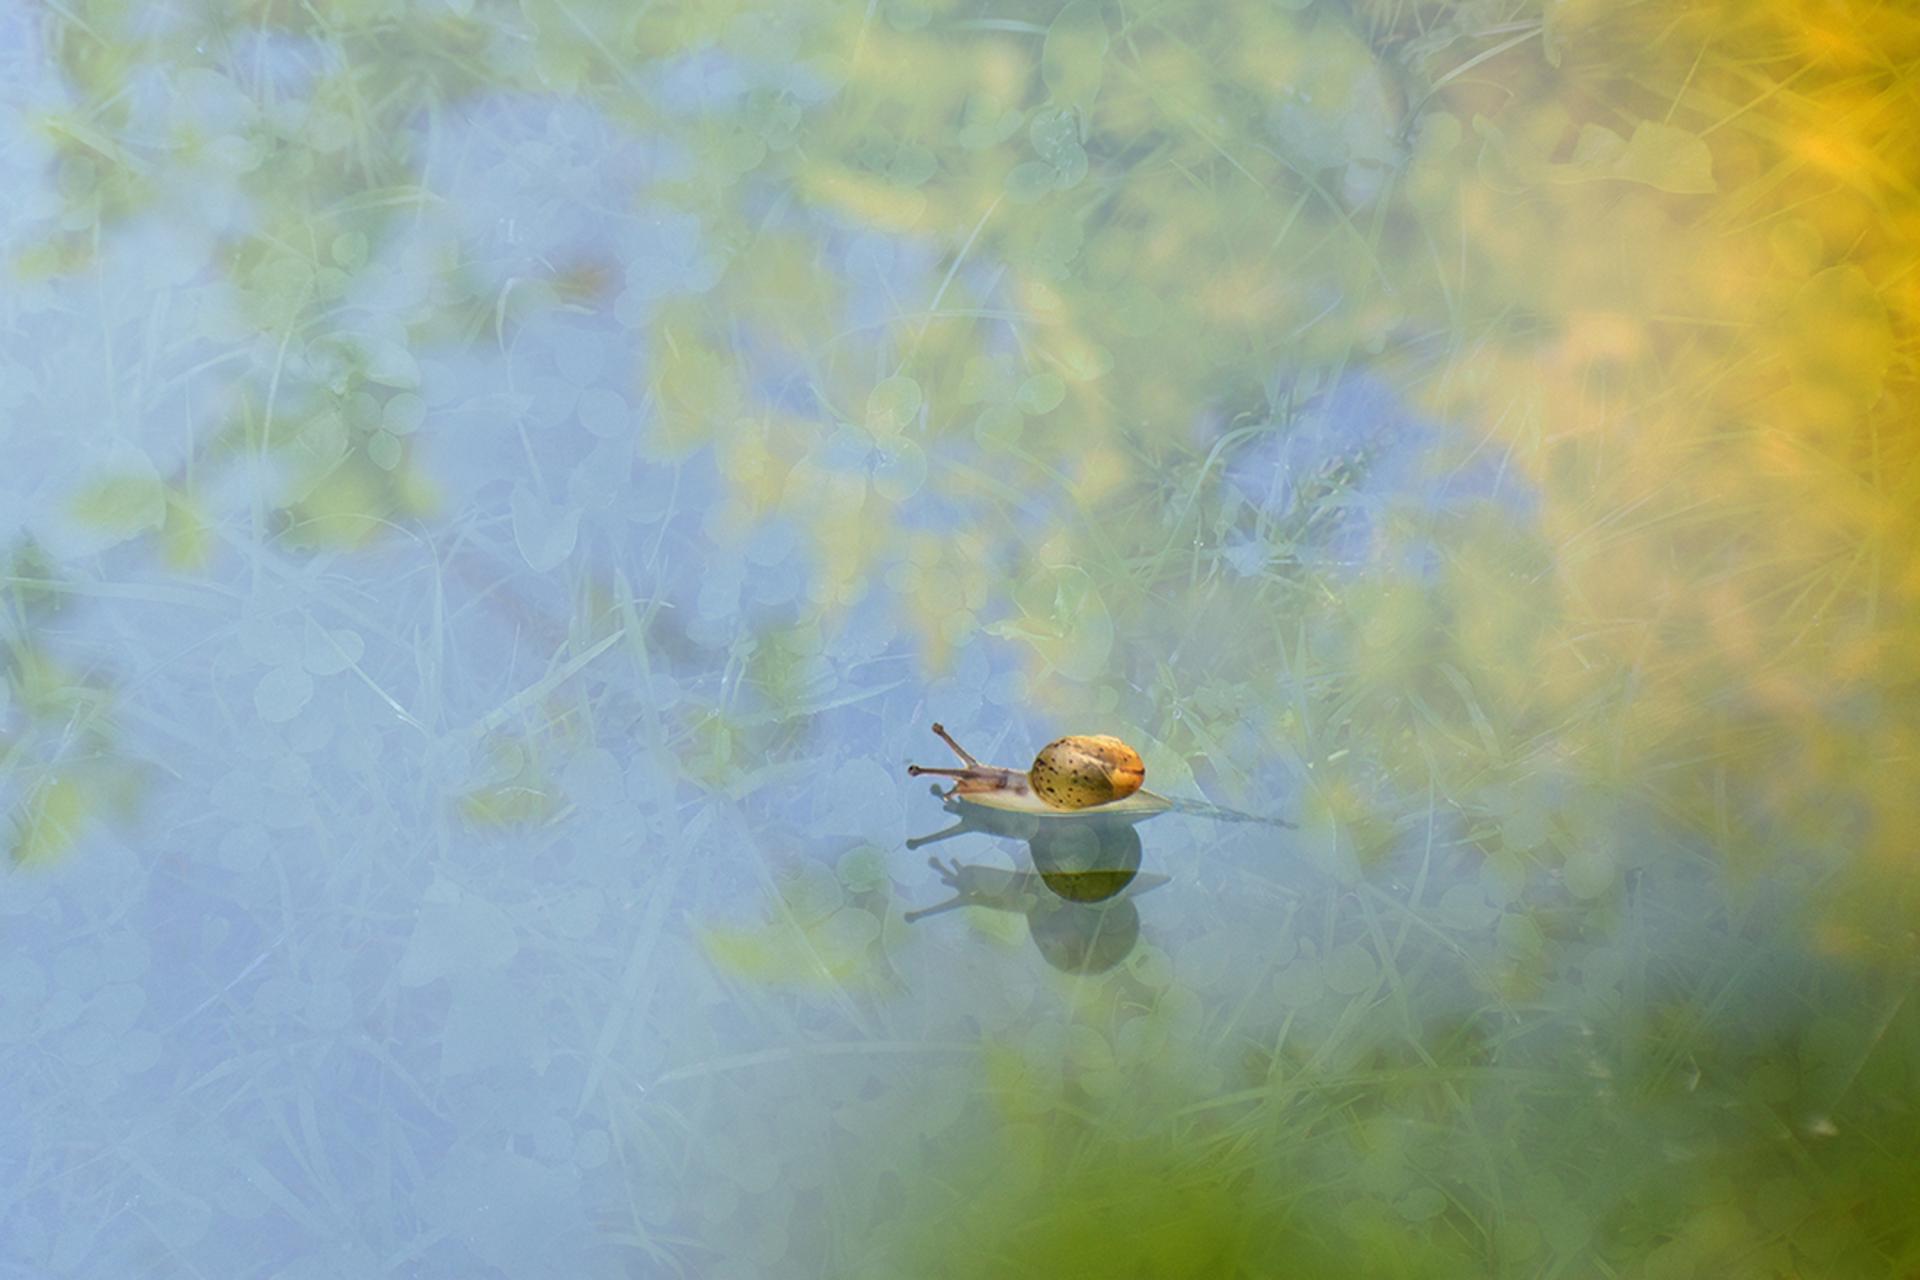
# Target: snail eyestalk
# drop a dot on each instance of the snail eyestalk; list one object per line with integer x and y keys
{"x": 958, "y": 750}
{"x": 975, "y": 777}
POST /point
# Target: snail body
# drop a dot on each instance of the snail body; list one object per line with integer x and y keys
{"x": 1084, "y": 774}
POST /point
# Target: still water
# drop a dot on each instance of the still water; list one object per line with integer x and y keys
{"x": 493, "y": 498}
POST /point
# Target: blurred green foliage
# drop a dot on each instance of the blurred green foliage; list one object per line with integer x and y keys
{"x": 1652, "y": 263}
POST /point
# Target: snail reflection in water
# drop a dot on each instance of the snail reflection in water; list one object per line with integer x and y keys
{"x": 1078, "y": 899}
{"x": 1088, "y": 861}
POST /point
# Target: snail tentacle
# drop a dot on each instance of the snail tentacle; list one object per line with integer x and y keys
{"x": 958, "y": 750}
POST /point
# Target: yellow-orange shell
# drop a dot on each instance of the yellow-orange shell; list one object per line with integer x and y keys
{"x": 1085, "y": 770}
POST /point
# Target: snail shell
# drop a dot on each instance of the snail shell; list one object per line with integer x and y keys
{"x": 1085, "y": 770}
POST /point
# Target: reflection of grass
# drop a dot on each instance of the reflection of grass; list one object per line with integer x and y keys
{"x": 1629, "y": 1113}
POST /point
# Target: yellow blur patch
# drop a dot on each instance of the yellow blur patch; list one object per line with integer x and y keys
{"x": 122, "y": 504}
{"x": 186, "y": 543}
{"x": 696, "y": 391}
{"x": 511, "y": 805}
{"x": 49, "y": 821}
{"x": 881, "y": 204}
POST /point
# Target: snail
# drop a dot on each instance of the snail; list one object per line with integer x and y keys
{"x": 1085, "y": 774}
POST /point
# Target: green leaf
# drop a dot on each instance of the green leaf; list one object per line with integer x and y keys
{"x": 997, "y": 426}
{"x": 1054, "y": 135}
{"x": 1838, "y": 337}
{"x": 1668, "y": 158}
{"x": 1030, "y": 180}
{"x": 1657, "y": 155}
{"x": 901, "y": 471}
{"x": 892, "y": 405}
{"x": 391, "y": 364}
{"x": 913, "y": 165}
{"x": 403, "y": 413}
{"x": 383, "y": 450}
{"x": 1072, "y": 61}
{"x": 545, "y": 532}
{"x": 1042, "y": 393}
{"x": 1351, "y": 969}
{"x": 327, "y": 651}
{"x": 281, "y": 693}
{"x": 1066, "y": 621}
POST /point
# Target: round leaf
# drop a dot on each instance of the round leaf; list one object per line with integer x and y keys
{"x": 545, "y": 533}
{"x": 892, "y": 405}
{"x": 1072, "y": 59}
{"x": 281, "y": 693}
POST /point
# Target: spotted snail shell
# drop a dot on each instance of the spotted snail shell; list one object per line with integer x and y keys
{"x": 1085, "y": 770}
